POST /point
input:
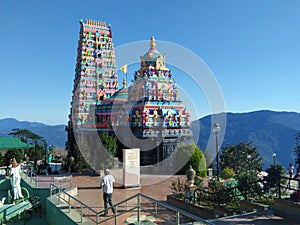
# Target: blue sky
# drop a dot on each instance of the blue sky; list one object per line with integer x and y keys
{"x": 252, "y": 47}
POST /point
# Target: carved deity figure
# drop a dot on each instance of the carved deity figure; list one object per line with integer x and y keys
{"x": 190, "y": 175}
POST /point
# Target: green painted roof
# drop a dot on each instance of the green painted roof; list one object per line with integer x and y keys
{"x": 13, "y": 143}
{"x": 120, "y": 94}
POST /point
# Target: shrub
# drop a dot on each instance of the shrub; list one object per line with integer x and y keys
{"x": 192, "y": 155}
{"x": 227, "y": 173}
{"x": 177, "y": 186}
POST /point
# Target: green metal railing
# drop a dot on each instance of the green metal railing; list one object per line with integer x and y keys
{"x": 138, "y": 205}
{"x": 45, "y": 180}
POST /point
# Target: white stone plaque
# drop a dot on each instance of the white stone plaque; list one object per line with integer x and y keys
{"x": 131, "y": 168}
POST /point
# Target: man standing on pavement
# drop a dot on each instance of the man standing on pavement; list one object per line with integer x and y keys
{"x": 107, "y": 185}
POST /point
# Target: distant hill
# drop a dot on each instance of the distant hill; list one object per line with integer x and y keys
{"x": 269, "y": 131}
{"x": 55, "y": 135}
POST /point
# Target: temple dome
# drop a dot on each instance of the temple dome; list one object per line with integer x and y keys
{"x": 152, "y": 54}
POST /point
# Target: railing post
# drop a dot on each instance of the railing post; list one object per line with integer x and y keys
{"x": 139, "y": 209}
{"x": 156, "y": 208}
{"x": 59, "y": 194}
{"x": 69, "y": 203}
{"x": 177, "y": 218}
{"x": 115, "y": 216}
{"x": 81, "y": 213}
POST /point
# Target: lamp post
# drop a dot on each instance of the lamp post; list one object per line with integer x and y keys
{"x": 216, "y": 130}
{"x": 274, "y": 159}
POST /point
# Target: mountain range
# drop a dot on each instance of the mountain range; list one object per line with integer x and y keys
{"x": 271, "y": 132}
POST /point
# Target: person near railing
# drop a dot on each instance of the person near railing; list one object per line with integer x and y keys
{"x": 107, "y": 186}
{"x": 16, "y": 179}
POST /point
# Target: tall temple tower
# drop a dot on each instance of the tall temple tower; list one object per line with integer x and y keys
{"x": 95, "y": 73}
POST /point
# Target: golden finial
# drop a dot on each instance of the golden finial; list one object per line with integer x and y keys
{"x": 124, "y": 83}
{"x": 152, "y": 44}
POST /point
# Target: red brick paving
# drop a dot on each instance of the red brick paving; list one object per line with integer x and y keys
{"x": 90, "y": 193}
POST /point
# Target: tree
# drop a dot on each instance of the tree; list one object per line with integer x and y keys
{"x": 244, "y": 159}
{"x": 275, "y": 172}
{"x": 79, "y": 158}
{"x": 241, "y": 158}
{"x": 192, "y": 155}
{"x": 1, "y": 159}
{"x": 29, "y": 137}
{"x": 110, "y": 143}
{"x": 10, "y": 154}
{"x": 297, "y": 150}
{"x": 25, "y": 135}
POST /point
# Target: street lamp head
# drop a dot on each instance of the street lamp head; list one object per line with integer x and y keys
{"x": 274, "y": 154}
{"x": 216, "y": 128}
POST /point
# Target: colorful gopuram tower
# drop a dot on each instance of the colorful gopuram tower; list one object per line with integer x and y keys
{"x": 95, "y": 74}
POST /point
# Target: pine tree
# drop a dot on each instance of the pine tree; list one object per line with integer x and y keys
{"x": 242, "y": 158}
{"x": 297, "y": 150}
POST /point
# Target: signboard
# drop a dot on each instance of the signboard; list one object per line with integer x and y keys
{"x": 131, "y": 168}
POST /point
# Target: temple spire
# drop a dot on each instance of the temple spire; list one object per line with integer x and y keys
{"x": 152, "y": 44}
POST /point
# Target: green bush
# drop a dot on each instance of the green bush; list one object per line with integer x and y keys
{"x": 1, "y": 159}
{"x": 192, "y": 155}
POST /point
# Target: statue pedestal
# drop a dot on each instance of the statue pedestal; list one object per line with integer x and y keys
{"x": 189, "y": 193}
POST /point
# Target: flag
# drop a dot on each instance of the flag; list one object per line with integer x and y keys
{"x": 124, "y": 68}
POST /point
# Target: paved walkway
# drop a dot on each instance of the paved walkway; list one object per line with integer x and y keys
{"x": 157, "y": 187}
{"x": 90, "y": 193}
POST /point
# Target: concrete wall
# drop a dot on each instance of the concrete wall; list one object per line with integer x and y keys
{"x": 194, "y": 209}
{"x": 43, "y": 193}
{"x": 247, "y": 206}
{"x": 287, "y": 209}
